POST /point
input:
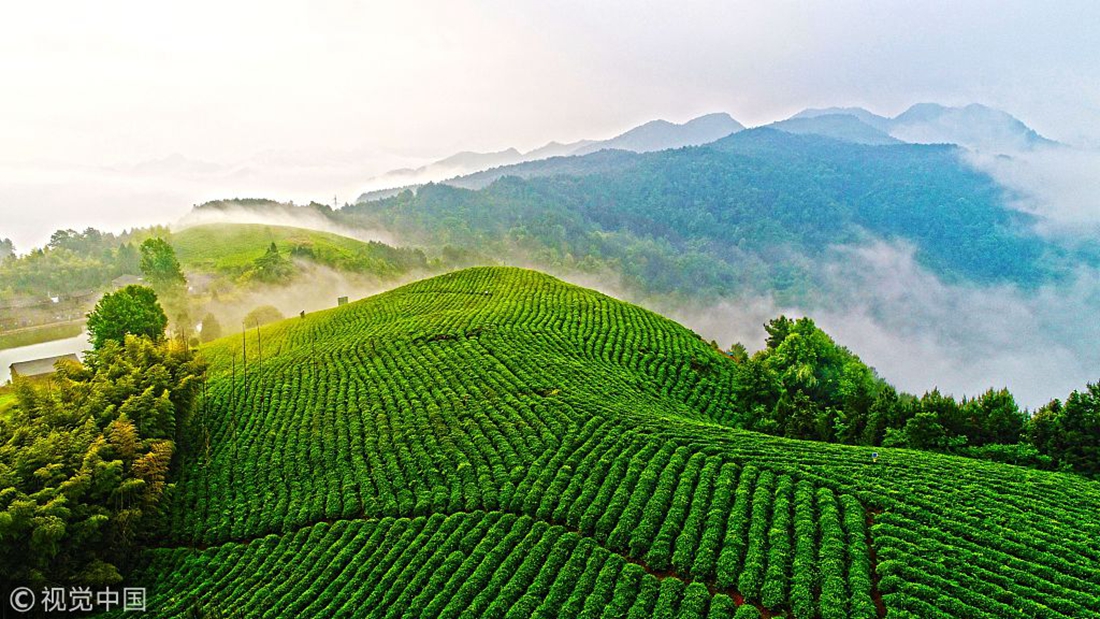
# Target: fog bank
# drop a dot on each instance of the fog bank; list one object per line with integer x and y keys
{"x": 295, "y": 217}
{"x": 920, "y": 333}
{"x": 37, "y": 198}
{"x": 1060, "y": 185}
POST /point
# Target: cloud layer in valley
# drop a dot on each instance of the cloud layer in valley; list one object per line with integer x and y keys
{"x": 1060, "y": 185}
{"x": 39, "y": 197}
{"x": 921, "y": 333}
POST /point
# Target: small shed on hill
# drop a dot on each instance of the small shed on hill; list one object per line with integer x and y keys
{"x": 39, "y": 367}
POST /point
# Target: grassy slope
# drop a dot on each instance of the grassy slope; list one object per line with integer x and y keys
{"x": 37, "y": 335}
{"x": 234, "y": 246}
{"x": 494, "y": 442}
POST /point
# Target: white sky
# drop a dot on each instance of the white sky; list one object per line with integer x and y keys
{"x": 301, "y": 100}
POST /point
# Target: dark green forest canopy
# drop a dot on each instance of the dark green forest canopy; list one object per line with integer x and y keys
{"x": 751, "y": 211}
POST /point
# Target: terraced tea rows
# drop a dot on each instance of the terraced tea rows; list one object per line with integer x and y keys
{"x": 497, "y": 443}
{"x": 464, "y": 564}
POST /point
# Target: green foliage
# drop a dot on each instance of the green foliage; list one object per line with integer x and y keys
{"x": 751, "y": 578}
{"x": 834, "y": 595}
{"x": 211, "y": 328}
{"x": 84, "y": 460}
{"x": 262, "y": 315}
{"x": 804, "y": 385}
{"x": 7, "y": 399}
{"x": 494, "y": 442}
{"x": 133, "y": 310}
{"x": 804, "y": 576}
{"x": 245, "y": 251}
{"x": 778, "y": 330}
{"x": 160, "y": 266}
{"x": 1020, "y": 454}
{"x": 1070, "y": 433}
{"x": 993, "y": 417}
{"x": 777, "y": 577}
{"x": 922, "y": 431}
{"x": 7, "y": 249}
{"x": 273, "y": 267}
{"x": 72, "y": 264}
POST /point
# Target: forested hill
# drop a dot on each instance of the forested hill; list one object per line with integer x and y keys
{"x": 497, "y": 443}
{"x": 753, "y": 211}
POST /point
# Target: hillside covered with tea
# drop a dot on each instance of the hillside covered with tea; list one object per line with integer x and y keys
{"x": 497, "y": 443}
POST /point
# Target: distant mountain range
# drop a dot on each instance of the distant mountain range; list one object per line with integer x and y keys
{"x": 839, "y": 126}
{"x": 975, "y": 127}
{"x": 755, "y": 211}
{"x": 662, "y": 135}
{"x": 651, "y": 136}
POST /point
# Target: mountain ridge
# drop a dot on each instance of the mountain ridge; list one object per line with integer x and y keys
{"x": 650, "y": 136}
{"x": 975, "y": 127}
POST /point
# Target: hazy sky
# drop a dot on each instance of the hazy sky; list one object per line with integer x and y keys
{"x": 306, "y": 98}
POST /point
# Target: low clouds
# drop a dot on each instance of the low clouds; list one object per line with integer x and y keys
{"x": 39, "y": 197}
{"x": 1060, "y": 185}
{"x": 920, "y": 333}
{"x": 295, "y": 217}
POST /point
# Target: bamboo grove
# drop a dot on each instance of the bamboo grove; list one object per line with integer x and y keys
{"x": 496, "y": 443}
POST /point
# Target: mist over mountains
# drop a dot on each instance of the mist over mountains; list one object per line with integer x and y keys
{"x": 651, "y": 136}
{"x": 974, "y": 127}
{"x": 930, "y": 242}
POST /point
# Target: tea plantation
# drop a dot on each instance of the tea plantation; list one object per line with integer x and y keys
{"x": 497, "y": 443}
{"x": 234, "y": 248}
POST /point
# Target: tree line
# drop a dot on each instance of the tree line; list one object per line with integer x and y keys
{"x": 72, "y": 262}
{"x": 804, "y": 385}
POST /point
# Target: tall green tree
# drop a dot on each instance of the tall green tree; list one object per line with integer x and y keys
{"x": 211, "y": 328}
{"x": 133, "y": 310}
{"x": 272, "y": 267}
{"x": 993, "y": 417}
{"x": 127, "y": 259}
{"x": 922, "y": 431}
{"x": 160, "y": 265}
{"x": 805, "y": 385}
{"x": 778, "y": 329}
{"x": 1069, "y": 432}
{"x": 261, "y": 316}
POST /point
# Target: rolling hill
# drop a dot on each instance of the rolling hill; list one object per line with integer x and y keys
{"x": 233, "y": 248}
{"x": 496, "y": 443}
